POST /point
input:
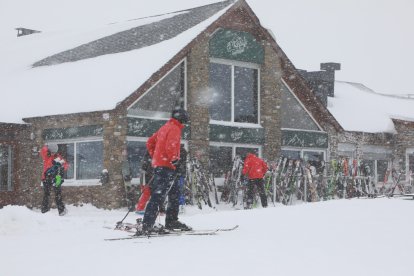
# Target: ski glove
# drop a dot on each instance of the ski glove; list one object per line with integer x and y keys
{"x": 176, "y": 162}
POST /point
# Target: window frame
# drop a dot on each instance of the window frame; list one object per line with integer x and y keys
{"x": 80, "y": 182}
{"x": 232, "y": 64}
{"x": 184, "y": 60}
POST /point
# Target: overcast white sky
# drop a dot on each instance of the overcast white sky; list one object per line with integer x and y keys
{"x": 372, "y": 39}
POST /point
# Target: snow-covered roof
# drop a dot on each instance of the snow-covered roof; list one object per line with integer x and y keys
{"x": 53, "y": 73}
{"x": 358, "y": 108}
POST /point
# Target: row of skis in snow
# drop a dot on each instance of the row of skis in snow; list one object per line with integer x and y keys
{"x": 287, "y": 181}
{"x": 290, "y": 180}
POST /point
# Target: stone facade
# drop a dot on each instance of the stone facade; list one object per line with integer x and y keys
{"x": 270, "y": 99}
{"x": 404, "y": 141}
{"x": 197, "y": 87}
{"x": 110, "y": 195}
{"x": 18, "y": 137}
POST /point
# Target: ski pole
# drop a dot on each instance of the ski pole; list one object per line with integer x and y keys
{"x": 120, "y": 222}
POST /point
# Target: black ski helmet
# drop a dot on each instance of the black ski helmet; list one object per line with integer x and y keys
{"x": 180, "y": 115}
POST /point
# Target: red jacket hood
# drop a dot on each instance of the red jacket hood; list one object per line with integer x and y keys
{"x": 254, "y": 167}
{"x": 164, "y": 145}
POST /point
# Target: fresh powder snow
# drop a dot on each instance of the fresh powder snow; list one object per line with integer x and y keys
{"x": 339, "y": 237}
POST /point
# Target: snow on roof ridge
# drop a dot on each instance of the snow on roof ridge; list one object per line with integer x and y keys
{"x": 173, "y": 12}
{"x": 367, "y": 89}
{"x": 137, "y": 37}
{"x": 402, "y": 118}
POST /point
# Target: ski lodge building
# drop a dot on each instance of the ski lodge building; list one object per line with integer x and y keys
{"x": 99, "y": 95}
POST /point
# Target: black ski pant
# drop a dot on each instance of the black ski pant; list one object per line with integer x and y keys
{"x": 164, "y": 184}
{"x": 258, "y": 183}
{"x": 47, "y": 185}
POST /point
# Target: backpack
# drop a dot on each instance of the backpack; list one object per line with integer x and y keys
{"x": 55, "y": 173}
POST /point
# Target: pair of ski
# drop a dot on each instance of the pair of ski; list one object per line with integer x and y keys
{"x": 170, "y": 233}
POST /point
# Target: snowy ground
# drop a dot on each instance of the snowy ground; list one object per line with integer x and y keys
{"x": 342, "y": 237}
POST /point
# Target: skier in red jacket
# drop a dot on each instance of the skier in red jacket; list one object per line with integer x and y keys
{"x": 164, "y": 148}
{"x": 148, "y": 177}
{"x": 53, "y": 168}
{"x": 255, "y": 169}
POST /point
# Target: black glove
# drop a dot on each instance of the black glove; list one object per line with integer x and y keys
{"x": 176, "y": 162}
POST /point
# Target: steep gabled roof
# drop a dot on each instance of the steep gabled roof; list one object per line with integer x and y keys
{"x": 99, "y": 70}
{"x": 138, "y": 37}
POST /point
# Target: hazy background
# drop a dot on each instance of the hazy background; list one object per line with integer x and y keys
{"x": 372, "y": 39}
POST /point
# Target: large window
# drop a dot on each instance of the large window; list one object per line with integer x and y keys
{"x": 221, "y": 157}
{"x": 5, "y": 168}
{"x": 294, "y": 115}
{"x": 243, "y": 152}
{"x": 312, "y": 156}
{"x": 234, "y": 93}
{"x": 382, "y": 167}
{"x": 85, "y": 159}
{"x": 378, "y": 158}
{"x": 161, "y": 99}
{"x": 136, "y": 151}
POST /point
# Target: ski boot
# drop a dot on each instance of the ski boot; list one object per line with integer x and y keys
{"x": 176, "y": 225}
{"x": 157, "y": 229}
{"x": 64, "y": 212}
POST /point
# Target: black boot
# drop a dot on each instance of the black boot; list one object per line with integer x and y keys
{"x": 177, "y": 225}
{"x": 143, "y": 231}
{"x": 157, "y": 229}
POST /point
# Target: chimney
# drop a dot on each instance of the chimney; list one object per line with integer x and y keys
{"x": 322, "y": 83}
{"x": 24, "y": 31}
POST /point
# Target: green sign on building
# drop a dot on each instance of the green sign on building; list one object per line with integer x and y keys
{"x": 236, "y": 45}
{"x": 73, "y": 132}
{"x": 233, "y": 134}
{"x": 139, "y": 127}
{"x": 304, "y": 139}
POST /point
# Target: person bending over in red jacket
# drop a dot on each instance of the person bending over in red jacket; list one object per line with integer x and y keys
{"x": 164, "y": 149}
{"x": 53, "y": 168}
{"x": 255, "y": 169}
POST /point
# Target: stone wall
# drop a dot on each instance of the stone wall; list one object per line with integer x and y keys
{"x": 404, "y": 140}
{"x": 18, "y": 137}
{"x": 197, "y": 93}
{"x": 111, "y": 195}
{"x": 271, "y": 101}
